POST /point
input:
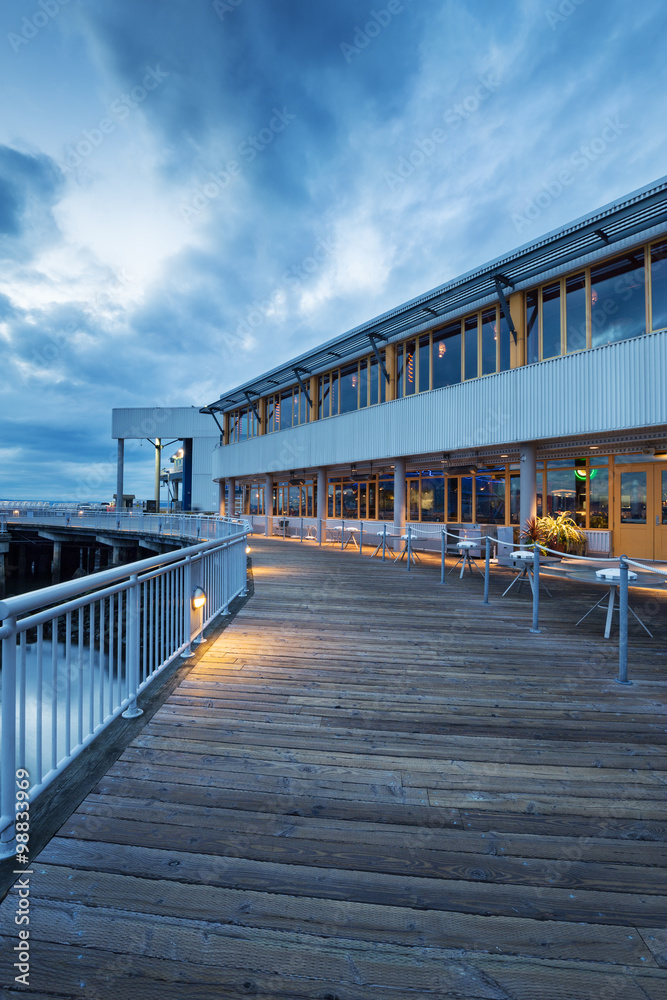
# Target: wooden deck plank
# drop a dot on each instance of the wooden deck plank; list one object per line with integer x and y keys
{"x": 372, "y": 786}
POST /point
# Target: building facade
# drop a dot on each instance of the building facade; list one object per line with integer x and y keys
{"x": 534, "y": 384}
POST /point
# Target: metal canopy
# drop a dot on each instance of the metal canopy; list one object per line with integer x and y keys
{"x": 618, "y": 221}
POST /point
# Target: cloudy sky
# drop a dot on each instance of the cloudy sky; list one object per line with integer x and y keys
{"x": 192, "y": 191}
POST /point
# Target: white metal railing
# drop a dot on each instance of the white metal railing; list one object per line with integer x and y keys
{"x": 183, "y": 525}
{"x": 77, "y": 655}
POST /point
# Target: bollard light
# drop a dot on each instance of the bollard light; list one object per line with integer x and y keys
{"x": 247, "y": 550}
{"x": 198, "y": 598}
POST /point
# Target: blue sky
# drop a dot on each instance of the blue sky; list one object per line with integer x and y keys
{"x": 194, "y": 191}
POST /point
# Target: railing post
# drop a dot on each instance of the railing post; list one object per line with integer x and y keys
{"x": 319, "y": 531}
{"x": 536, "y": 590}
{"x": 384, "y": 540}
{"x": 623, "y": 623}
{"x": 409, "y": 546}
{"x": 187, "y": 608}
{"x": 487, "y": 558}
{"x": 443, "y": 546}
{"x": 8, "y": 745}
{"x": 283, "y": 527}
{"x": 132, "y": 648}
{"x": 301, "y": 531}
{"x": 342, "y": 533}
{"x": 361, "y": 537}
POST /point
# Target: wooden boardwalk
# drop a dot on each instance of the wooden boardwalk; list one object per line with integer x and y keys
{"x": 372, "y": 787}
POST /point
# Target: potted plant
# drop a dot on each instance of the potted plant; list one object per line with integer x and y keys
{"x": 563, "y": 534}
{"x": 560, "y": 533}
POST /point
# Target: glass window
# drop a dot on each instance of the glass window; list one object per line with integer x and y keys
{"x": 424, "y": 371}
{"x": 599, "y": 498}
{"x": 466, "y": 499}
{"x": 551, "y": 320}
{"x": 372, "y": 497}
{"x": 363, "y": 383}
{"x": 304, "y": 407}
{"x": 386, "y": 498}
{"x": 618, "y": 309}
{"x": 446, "y": 356}
{"x": 433, "y": 499}
{"x": 286, "y": 408}
{"x": 410, "y": 368}
{"x": 349, "y": 387}
{"x": 470, "y": 338}
{"x": 505, "y": 343}
{"x": 490, "y": 499}
{"x": 452, "y": 498}
{"x": 349, "y": 496}
{"x": 413, "y": 493}
{"x": 515, "y": 498}
{"x": 374, "y": 377}
{"x": 334, "y": 393}
{"x": 575, "y": 313}
{"x": 659, "y": 285}
{"x": 633, "y": 497}
{"x": 243, "y": 425}
{"x": 532, "y": 338}
{"x": 489, "y": 341}
{"x": 564, "y": 493}
{"x": 295, "y": 407}
{"x": 363, "y": 508}
{"x": 325, "y": 400}
{"x": 399, "y": 371}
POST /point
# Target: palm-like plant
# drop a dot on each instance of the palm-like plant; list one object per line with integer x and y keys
{"x": 559, "y": 532}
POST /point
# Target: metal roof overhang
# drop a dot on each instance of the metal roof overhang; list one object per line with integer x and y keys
{"x": 618, "y": 221}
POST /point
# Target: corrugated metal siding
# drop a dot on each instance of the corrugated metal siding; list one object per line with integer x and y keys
{"x": 202, "y": 452}
{"x": 162, "y": 421}
{"x": 617, "y": 387}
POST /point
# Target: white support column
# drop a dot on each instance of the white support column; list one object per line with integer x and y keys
{"x": 399, "y": 495}
{"x": 322, "y": 494}
{"x": 221, "y": 498}
{"x": 527, "y": 482}
{"x": 158, "y": 462}
{"x": 120, "y": 465}
{"x": 268, "y": 504}
{"x": 231, "y": 499}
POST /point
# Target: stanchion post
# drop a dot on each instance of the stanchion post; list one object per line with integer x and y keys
{"x": 342, "y": 533}
{"x": 536, "y": 590}
{"x": 443, "y": 546}
{"x": 384, "y": 540}
{"x": 301, "y": 531}
{"x": 319, "y": 531}
{"x": 623, "y": 623}
{"x": 283, "y": 527}
{"x": 361, "y": 537}
{"x": 409, "y": 546}
{"x": 487, "y": 560}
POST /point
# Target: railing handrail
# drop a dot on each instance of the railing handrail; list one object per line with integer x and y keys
{"x": 21, "y": 604}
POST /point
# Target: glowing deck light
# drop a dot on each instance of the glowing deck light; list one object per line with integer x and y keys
{"x": 198, "y": 598}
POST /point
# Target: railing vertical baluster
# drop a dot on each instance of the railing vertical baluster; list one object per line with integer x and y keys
{"x": 68, "y": 682}
{"x": 187, "y": 608}
{"x": 54, "y": 692}
{"x": 8, "y": 744}
{"x": 39, "y": 705}
{"x": 80, "y": 677}
{"x": 91, "y": 666}
{"x": 132, "y": 647}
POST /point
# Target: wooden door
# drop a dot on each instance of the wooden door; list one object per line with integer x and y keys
{"x": 634, "y": 503}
